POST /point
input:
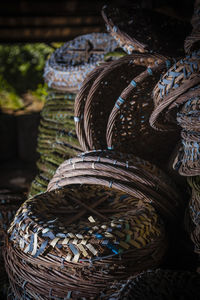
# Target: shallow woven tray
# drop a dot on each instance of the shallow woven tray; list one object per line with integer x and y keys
{"x": 172, "y": 90}
{"x": 128, "y": 128}
{"x": 92, "y": 253}
{"x": 161, "y": 284}
{"x": 69, "y": 65}
{"x": 135, "y": 176}
{"x": 79, "y": 105}
{"x": 106, "y": 89}
{"x": 144, "y": 30}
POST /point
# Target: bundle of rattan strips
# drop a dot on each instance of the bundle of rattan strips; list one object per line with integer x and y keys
{"x": 79, "y": 104}
{"x": 42, "y": 235}
{"x": 172, "y": 88}
{"x": 128, "y": 126}
{"x": 160, "y": 284}
{"x": 105, "y": 90}
{"x": 194, "y": 205}
{"x": 69, "y": 65}
{"x": 133, "y": 175}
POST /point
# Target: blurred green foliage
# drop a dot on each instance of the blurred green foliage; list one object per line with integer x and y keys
{"x": 21, "y": 71}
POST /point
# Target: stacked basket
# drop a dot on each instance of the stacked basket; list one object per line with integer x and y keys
{"x": 9, "y": 203}
{"x": 100, "y": 222}
{"x": 64, "y": 72}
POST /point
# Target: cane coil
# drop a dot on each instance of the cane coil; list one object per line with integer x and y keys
{"x": 104, "y": 92}
{"x": 75, "y": 246}
{"x": 172, "y": 89}
{"x": 160, "y": 284}
{"x": 145, "y": 30}
{"x": 69, "y": 65}
{"x": 192, "y": 40}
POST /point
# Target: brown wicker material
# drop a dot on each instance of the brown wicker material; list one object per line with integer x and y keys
{"x": 171, "y": 91}
{"x": 144, "y": 30}
{"x": 106, "y": 89}
{"x": 10, "y": 201}
{"x": 160, "y": 284}
{"x": 79, "y": 105}
{"x": 135, "y": 176}
{"x": 79, "y": 240}
{"x": 57, "y": 138}
{"x": 128, "y": 128}
{"x": 187, "y": 161}
{"x": 192, "y": 42}
{"x": 69, "y": 65}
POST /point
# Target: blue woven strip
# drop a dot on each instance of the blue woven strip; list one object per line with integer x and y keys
{"x": 116, "y": 105}
{"x": 41, "y": 249}
{"x": 168, "y": 64}
{"x": 149, "y": 70}
{"x": 110, "y": 148}
{"x": 174, "y": 74}
{"x": 120, "y": 100}
{"x": 133, "y": 83}
{"x": 166, "y": 81}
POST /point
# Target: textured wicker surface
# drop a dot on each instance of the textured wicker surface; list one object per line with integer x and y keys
{"x": 192, "y": 42}
{"x": 105, "y": 91}
{"x": 172, "y": 88}
{"x": 135, "y": 176}
{"x": 79, "y": 105}
{"x": 187, "y": 159}
{"x": 84, "y": 253}
{"x": 143, "y": 30}
{"x": 57, "y": 138}
{"x": 128, "y": 128}
{"x": 161, "y": 284}
{"x": 69, "y": 65}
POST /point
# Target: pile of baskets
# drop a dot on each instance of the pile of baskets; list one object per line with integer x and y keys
{"x": 108, "y": 214}
{"x": 102, "y": 220}
{"x": 64, "y": 72}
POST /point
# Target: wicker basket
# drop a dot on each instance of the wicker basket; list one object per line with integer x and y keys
{"x": 79, "y": 105}
{"x": 161, "y": 284}
{"x": 187, "y": 159}
{"x": 105, "y": 90}
{"x": 172, "y": 91}
{"x": 192, "y": 41}
{"x": 137, "y": 177}
{"x": 144, "y": 30}
{"x": 128, "y": 128}
{"x": 69, "y": 65}
{"x": 10, "y": 201}
{"x": 65, "y": 244}
{"x": 57, "y": 138}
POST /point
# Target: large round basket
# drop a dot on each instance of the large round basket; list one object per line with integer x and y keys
{"x": 69, "y": 65}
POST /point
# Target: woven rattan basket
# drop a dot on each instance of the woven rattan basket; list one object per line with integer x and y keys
{"x": 69, "y": 65}
{"x": 192, "y": 40}
{"x": 105, "y": 91}
{"x": 128, "y": 128}
{"x": 187, "y": 159}
{"x": 172, "y": 91}
{"x": 10, "y": 201}
{"x": 161, "y": 284}
{"x": 79, "y": 105}
{"x": 57, "y": 138}
{"x": 137, "y": 177}
{"x": 143, "y": 30}
{"x": 78, "y": 241}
